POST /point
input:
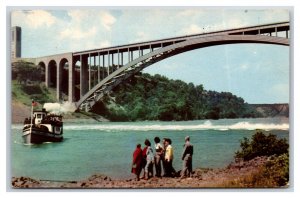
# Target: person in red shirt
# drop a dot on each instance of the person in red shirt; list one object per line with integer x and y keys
{"x": 137, "y": 162}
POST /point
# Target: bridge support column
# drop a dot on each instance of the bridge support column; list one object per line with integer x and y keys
{"x": 90, "y": 79}
{"x": 112, "y": 63}
{"x": 128, "y": 56}
{"x": 103, "y": 67}
{"x": 47, "y": 75}
{"x": 108, "y": 59}
{"x": 118, "y": 59}
{"x": 99, "y": 78}
{"x": 59, "y": 69}
{"x": 84, "y": 84}
{"x": 71, "y": 83}
{"x": 122, "y": 59}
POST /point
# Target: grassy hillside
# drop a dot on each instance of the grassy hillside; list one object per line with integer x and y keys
{"x": 24, "y": 93}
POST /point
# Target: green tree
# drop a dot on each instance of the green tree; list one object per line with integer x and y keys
{"x": 25, "y": 71}
{"x": 261, "y": 145}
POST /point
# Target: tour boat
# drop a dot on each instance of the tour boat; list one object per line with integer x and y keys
{"x": 42, "y": 127}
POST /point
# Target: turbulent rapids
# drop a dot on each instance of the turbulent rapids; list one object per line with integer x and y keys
{"x": 207, "y": 125}
{"x": 174, "y": 126}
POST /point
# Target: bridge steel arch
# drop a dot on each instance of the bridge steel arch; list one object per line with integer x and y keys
{"x": 88, "y": 100}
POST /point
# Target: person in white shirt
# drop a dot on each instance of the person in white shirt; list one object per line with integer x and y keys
{"x": 149, "y": 159}
{"x": 158, "y": 156}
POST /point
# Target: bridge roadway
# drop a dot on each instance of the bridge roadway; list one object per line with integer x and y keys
{"x": 103, "y": 69}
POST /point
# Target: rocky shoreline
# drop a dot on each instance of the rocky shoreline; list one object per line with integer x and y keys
{"x": 201, "y": 178}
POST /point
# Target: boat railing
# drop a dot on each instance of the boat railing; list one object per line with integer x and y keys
{"x": 57, "y": 121}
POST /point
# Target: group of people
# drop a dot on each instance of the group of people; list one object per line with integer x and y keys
{"x": 162, "y": 159}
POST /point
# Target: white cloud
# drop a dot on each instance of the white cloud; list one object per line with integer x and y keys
{"x": 34, "y": 18}
{"x": 192, "y": 29}
{"x": 83, "y": 17}
{"x": 107, "y": 20}
{"x": 78, "y": 33}
{"x": 77, "y": 16}
{"x": 93, "y": 27}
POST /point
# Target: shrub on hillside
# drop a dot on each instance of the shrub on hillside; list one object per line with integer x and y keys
{"x": 274, "y": 173}
{"x": 262, "y": 145}
{"x": 277, "y": 170}
{"x": 24, "y": 72}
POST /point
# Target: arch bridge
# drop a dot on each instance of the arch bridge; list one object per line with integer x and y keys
{"x": 84, "y": 77}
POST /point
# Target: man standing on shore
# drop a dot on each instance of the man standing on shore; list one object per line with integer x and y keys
{"x": 187, "y": 155}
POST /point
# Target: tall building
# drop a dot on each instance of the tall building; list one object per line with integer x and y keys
{"x": 16, "y": 34}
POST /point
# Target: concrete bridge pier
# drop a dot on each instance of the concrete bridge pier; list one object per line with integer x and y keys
{"x": 47, "y": 75}
{"x": 84, "y": 81}
{"x": 71, "y": 81}
{"x": 59, "y": 72}
{"x": 54, "y": 69}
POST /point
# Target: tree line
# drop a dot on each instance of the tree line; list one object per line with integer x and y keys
{"x": 147, "y": 97}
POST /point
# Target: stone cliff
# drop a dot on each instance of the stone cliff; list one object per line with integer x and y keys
{"x": 272, "y": 110}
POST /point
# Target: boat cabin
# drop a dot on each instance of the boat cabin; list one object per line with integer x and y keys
{"x": 39, "y": 116}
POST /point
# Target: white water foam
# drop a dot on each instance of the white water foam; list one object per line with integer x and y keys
{"x": 177, "y": 127}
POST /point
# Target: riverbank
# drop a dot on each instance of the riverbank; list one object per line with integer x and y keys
{"x": 21, "y": 111}
{"x": 235, "y": 175}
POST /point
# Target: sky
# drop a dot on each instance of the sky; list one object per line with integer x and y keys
{"x": 258, "y": 73}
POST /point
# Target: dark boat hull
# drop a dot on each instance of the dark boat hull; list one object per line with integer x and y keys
{"x": 35, "y": 136}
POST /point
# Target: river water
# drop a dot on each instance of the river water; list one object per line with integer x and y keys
{"x": 91, "y": 147}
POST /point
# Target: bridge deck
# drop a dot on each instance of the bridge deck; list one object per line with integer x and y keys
{"x": 252, "y": 30}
